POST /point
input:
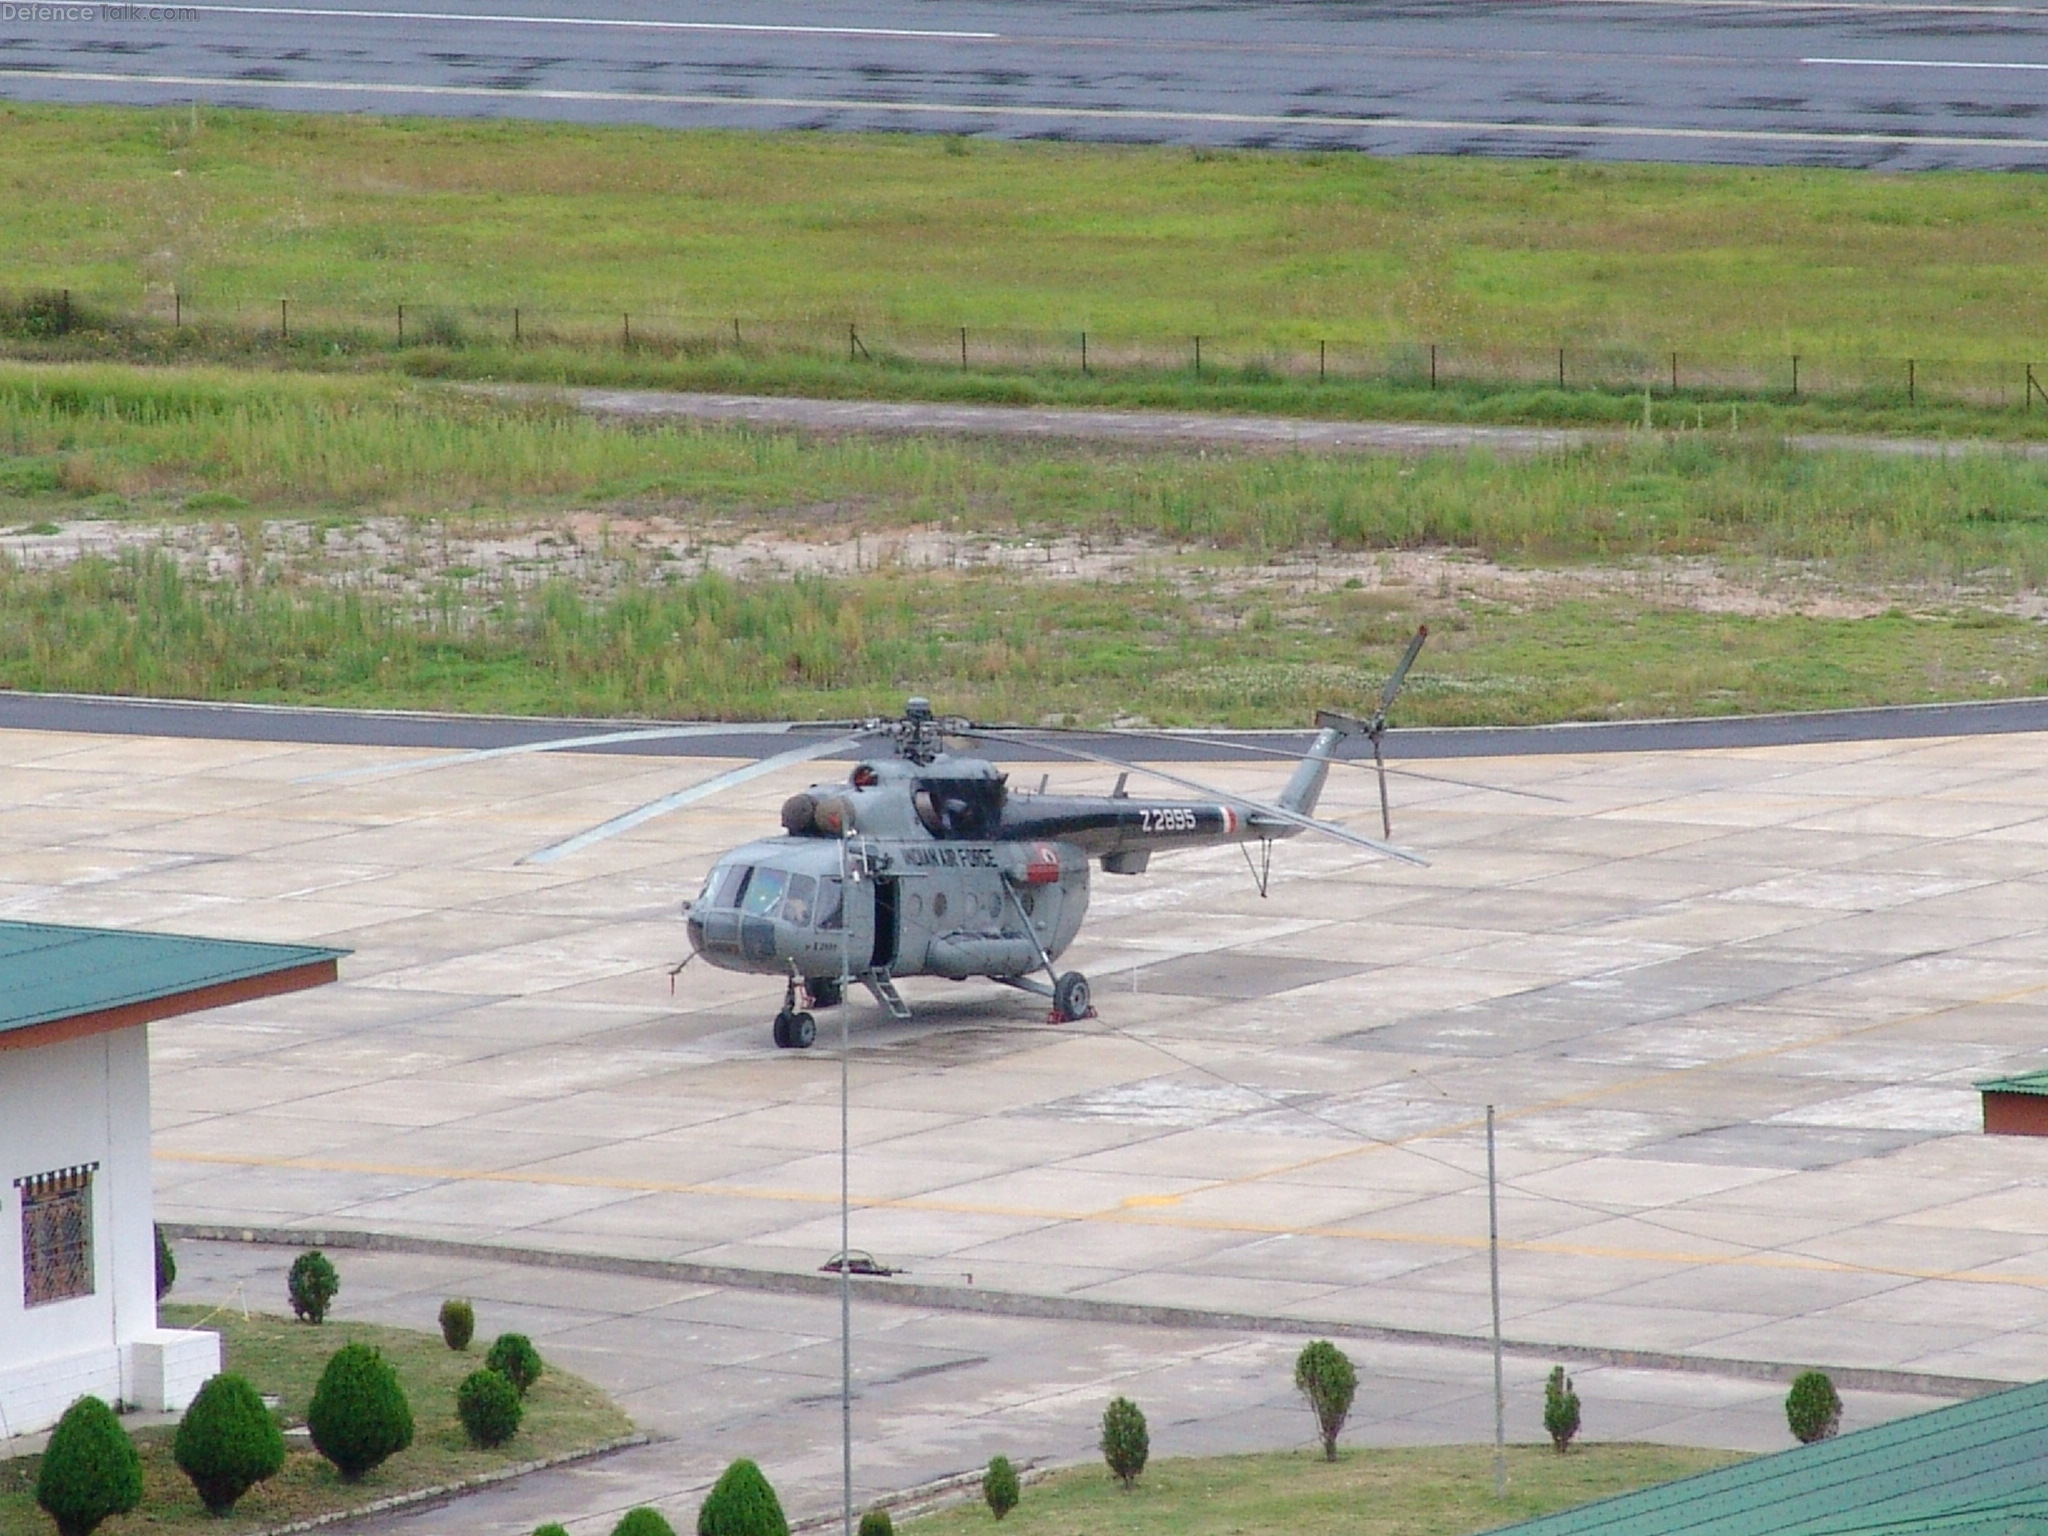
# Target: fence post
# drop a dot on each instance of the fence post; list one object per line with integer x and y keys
{"x": 1560, "y": 367}
{"x": 515, "y": 326}
{"x": 1674, "y": 373}
{"x": 1795, "y": 375}
{"x": 177, "y": 309}
{"x": 963, "y": 347}
{"x": 284, "y": 318}
{"x": 626, "y": 330}
{"x": 852, "y": 341}
{"x": 401, "y": 325}
{"x": 1912, "y": 384}
{"x": 1432, "y": 365}
{"x": 67, "y": 309}
{"x": 1198, "y": 357}
{"x": 736, "y": 332}
{"x": 1084, "y": 351}
{"x": 2032, "y": 387}
{"x": 1322, "y": 361}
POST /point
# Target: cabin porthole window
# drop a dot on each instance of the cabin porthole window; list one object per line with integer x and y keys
{"x": 56, "y": 1235}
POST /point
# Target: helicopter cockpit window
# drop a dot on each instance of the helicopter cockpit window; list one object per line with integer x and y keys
{"x": 764, "y": 891}
{"x": 831, "y": 905}
{"x": 732, "y": 885}
{"x": 796, "y": 901}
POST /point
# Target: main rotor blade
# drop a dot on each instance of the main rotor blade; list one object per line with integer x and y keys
{"x": 1182, "y": 738}
{"x": 703, "y": 790}
{"x": 1257, "y": 807}
{"x": 1386, "y": 814}
{"x": 557, "y": 744}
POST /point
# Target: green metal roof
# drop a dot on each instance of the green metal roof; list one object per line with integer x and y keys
{"x": 1976, "y": 1469}
{"x": 50, "y": 972}
{"x": 2019, "y": 1082}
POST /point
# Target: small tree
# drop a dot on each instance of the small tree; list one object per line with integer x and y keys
{"x": 1560, "y": 1409}
{"x": 513, "y": 1356}
{"x": 741, "y": 1504}
{"x": 1125, "y": 1444}
{"x": 876, "y": 1522}
{"x": 311, "y": 1286}
{"x": 458, "y": 1323}
{"x": 227, "y": 1442}
{"x": 1323, "y": 1374}
{"x": 489, "y": 1408}
{"x": 641, "y": 1522}
{"x": 556, "y": 1528}
{"x": 359, "y": 1416}
{"x": 999, "y": 1486}
{"x": 1813, "y": 1408}
{"x": 90, "y": 1469}
{"x": 166, "y": 1265}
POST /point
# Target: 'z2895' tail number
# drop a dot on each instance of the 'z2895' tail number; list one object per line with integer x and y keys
{"x": 1155, "y": 820}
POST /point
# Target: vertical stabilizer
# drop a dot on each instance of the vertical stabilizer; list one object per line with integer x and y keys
{"x": 1305, "y": 788}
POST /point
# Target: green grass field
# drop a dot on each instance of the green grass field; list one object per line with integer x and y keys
{"x": 285, "y": 1358}
{"x": 1432, "y": 1491}
{"x": 1246, "y": 589}
{"x": 1264, "y": 254}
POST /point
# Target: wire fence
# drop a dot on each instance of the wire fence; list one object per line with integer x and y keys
{"x": 172, "y": 317}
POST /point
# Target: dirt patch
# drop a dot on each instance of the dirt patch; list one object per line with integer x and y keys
{"x": 599, "y": 553}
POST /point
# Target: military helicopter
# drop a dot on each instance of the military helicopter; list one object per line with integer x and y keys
{"x": 924, "y": 862}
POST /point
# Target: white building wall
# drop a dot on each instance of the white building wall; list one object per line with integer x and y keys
{"x": 61, "y": 1106}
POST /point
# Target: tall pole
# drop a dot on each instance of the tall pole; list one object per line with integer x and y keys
{"x": 1500, "y": 1396}
{"x": 845, "y": 1207}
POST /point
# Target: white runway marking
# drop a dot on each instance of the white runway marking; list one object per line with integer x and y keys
{"x": 786, "y": 28}
{"x": 1091, "y": 114}
{"x": 1922, "y": 64}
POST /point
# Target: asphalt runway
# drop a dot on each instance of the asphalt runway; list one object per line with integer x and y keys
{"x": 1837, "y": 82}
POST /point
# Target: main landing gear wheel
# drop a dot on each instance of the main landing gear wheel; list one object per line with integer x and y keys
{"x": 1070, "y": 999}
{"x": 795, "y": 1031}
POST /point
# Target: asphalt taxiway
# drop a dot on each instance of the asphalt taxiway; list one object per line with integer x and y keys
{"x": 1896, "y": 83}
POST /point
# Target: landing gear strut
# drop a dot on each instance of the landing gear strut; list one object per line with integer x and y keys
{"x": 795, "y": 1031}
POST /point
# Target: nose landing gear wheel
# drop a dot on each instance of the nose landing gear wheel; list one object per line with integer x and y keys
{"x": 1071, "y": 1000}
{"x": 795, "y": 1031}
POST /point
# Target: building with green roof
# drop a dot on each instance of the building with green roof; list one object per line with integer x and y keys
{"x": 77, "y": 1241}
{"x": 1978, "y": 1468}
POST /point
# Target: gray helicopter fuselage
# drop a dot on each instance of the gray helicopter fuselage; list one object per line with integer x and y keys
{"x": 905, "y": 869}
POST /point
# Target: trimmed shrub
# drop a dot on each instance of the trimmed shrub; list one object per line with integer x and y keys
{"x": 359, "y": 1416}
{"x": 90, "y": 1469}
{"x": 641, "y": 1522}
{"x": 1125, "y": 1444}
{"x": 1813, "y": 1408}
{"x": 999, "y": 1486}
{"x": 513, "y": 1357}
{"x": 741, "y": 1504}
{"x": 488, "y": 1405}
{"x": 312, "y": 1285}
{"x": 166, "y": 1265}
{"x": 458, "y": 1323}
{"x": 1323, "y": 1374}
{"x": 552, "y": 1528}
{"x": 227, "y": 1442}
{"x": 876, "y": 1522}
{"x": 1560, "y": 1409}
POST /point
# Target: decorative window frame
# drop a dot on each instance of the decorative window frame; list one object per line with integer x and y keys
{"x": 57, "y": 1249}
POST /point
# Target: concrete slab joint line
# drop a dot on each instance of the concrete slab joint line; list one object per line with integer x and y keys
{"x": 441, "y": 1493}
{"x": 1081, "y": 1309}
